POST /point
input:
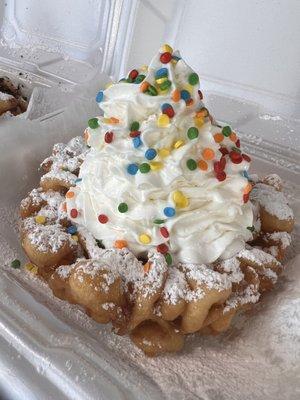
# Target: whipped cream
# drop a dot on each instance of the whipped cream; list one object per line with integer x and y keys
{"x": 211, "y": 215}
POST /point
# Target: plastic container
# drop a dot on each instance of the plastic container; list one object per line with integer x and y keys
{"x": 51, "y": 350}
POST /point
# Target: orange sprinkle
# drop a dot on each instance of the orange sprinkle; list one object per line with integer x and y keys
{"x": 69, "y": 195}
{"x": 202, "y": 165}
{"x": 120, "y": 244}
{"x": 208, "y": 154}
{"x": 202, "y": 113}
{"x": 189, "y": 102}
{"x": 233, "y": 137}
{"x": 144, "y": 86}
{"x": 147, "y": 267}
{"x": 114, "y": 120}
{"x": 247, "y": 188}
{"x": 218, "y": 137}
{"x": 176, "y": 95}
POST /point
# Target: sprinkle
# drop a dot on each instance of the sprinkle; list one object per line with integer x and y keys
{"x": 123, "y": 207}
{"x": 147, "y": 267}
{"x": 114, "y": 120}
{"x": 221, "y": 176}
{"x": 180, "y": 199}
{"x": 150, "y": 154}
{"x": 218, "y": 137}
{"x": 166, "y": 48}
{"x": 71, "y": 229}
{"x": 202, "y": 165}
{"x": 219, "y": 166}
{"x": 78, "y": 180}
{"x": 75, "y": 237}
{"x": 136, "y": 142}
{"x": 135, "y": 126}
{"x": 120, "y": 244}
{"x": 164, "y": 232}
{"x": 202, "y": 113}
{"x": 70, "y": 195}
{"x": 200, "y": 95}
{"x": 102, "y": 218}
{"x": 233, "y": 137}
{"x": 193, "y": 79}
{"x": 40, "y": 219}
{"x": 108, "y": 137}
{"x": 162, "y": 248}
{"x": 168, "y": 258}
{"x": 74, "y": 213}
{"x": 226, "y": 131}
{"x": 161, "y": 73}
{"x": 169, "y": 212}
{"x": 176, "y": 95}
{"x": 133, "y": 74}
{"x": 99, "y": 97}
{"x": 198, "y": 121}
{"x": 144, "y": 168}
{"x": 93, "y": 123}
{"x": 161, "y": 80}
{"x": 245, "y": 174}
{"x": 246, "y": 197}
{"x": 168, "y": 110}
{"x": 246, "y": 157}
{"x": 223, "y": 150}
{"x": 15, "y": 263}
{"x": 163, "y": 121}
{"x": 185, "y": 95}
{"x": 236, "y": 149}
{"x": 247, "y": 188}
{"x": 165, "y": 85}
{"x": 152, "y": 90}
{"x": 178, "y": 144}
{"x": 251, "y": 228}
{"x": 192, "y": 133}
{"x": 191, "y": 164}
{"x": 144, "y": 86}
{"x": 156, "y": 165}
{"x": 31, "y": 268}
{"x": 158, "y": 221}
{"x": 144, "y": 238}
{"x": 132, "y": 169}
{"x": 163, "y": 152}
{"x": 208, "y": 153}
{"x": 235, "y": 157}
{"x": 134, "y": 134}
{"x": 165, "y": 57}
{"x": 139, "y": 78}
{"x": 238, "y": 143}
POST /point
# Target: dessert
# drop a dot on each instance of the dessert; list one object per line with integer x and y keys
{"x": 12, "y": 102}
{"x": 151, "y": 221}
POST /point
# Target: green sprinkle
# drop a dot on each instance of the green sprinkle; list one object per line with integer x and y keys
{"x": 165, "y": 85}
{"x": 168, "y": 258}
{"x": 93, "y": 123}
{"x": 152, "y": 90}
{"x": 123, "y": 207}
{"x": 158, "y": 221}
{"x": 251, "y": 228}
{"x": 15, "y": 263}
{"x": 191, "y": 164}
{"x": 129, "y": 80}
{"x": 193, "y": 78}
{"x": 192, "y": 133}
{"x": 140, "y": 78}
{"x": 99, "y": 243}
{"x": 236, "y": 149}
{"x": 135, "y": 126}
{"x": 144, "y": 168}
{"x": 226, "y": 131}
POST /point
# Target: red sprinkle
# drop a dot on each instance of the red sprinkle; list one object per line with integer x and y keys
{"x": 219, "y": 166}
{"x": 169, "y": 112}
{"x": 74, "y": 213}
{"x": 246, "y": 197}
{"x": 164, "y": 232}
{"x": 134, "y": 133}
{"x": 133, "y": 74}
{"x": 200, "y": 94}
{"x": 238, "y": 143}
{"x": 221, "y": 176}
{"x": 235, "y": 157}
{"x": 162, "y": 248}
{"x": 246, "y": 157}
{"x": 223, "y": 150}
{"x": 165, "y": 58}
{"x": 102, "y": 218}
{"x": 108, "y": 137}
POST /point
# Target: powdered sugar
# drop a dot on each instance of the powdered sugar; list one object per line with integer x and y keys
{"x": 232, "y": 268}
{"x": 258, "y": 257}
{"x": 283, "y": 238}
{"x": 175, "y": 286}
{"x": 6, "y": 97}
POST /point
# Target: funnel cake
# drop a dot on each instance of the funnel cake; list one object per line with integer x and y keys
{"x": 151, "y": 222}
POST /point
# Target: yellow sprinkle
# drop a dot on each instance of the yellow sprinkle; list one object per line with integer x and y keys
{"x": 40, "y": 219}
{"x": 34, "y": 270}
{"x": 166, "y": 48}
{"x": 178, "y": 144}
{"x": 144, "y": 68}
{"x": 161, "y": 80}
{"x": 144, "y": 238}
{"x": 109, "y": 84}
{"x": 189, "y": 88}
{"x": 31, "y": 268}
{"x": 198, "y": 122}
{"x": 163, "y": 121}
{"x": 163, "y": 152}
{"x": 156, "y": 165}
{"x": 106, "y": 120}
{"x": 75, "y": 237}
{"x": 180, "y": 199}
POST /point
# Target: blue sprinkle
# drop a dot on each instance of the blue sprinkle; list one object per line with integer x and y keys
{"x": 72, "y": 229}
{"x": 185, "y": 95}
{"x": 161, "y": 73}
{"x": 245, "y": 174}
{"x": 99, "y": 97}
{"x": 169, "y": 211}
{"x": 132, "y": 169}
{"x": 150, "y": 154}
{"x": 136, "y": 142}
{"x": 165, "y": 106}
{"x": 78, "y": 180}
